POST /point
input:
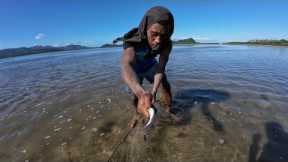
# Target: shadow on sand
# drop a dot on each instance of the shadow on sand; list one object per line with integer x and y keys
{"x": 185, "y": 100}
{"x": 276, "y": 148}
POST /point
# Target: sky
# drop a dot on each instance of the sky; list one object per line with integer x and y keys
{"x": 93, "y": 22}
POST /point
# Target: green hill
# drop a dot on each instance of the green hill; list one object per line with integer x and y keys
{"x": 185, "y": 41}
{"x": 281, "y": 42}
{"x": 22, "y": 51}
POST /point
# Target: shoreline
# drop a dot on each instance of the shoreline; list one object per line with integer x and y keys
{"x": 250, "y": 44}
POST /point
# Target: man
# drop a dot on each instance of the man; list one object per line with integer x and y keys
{"x": 141, "y": 47}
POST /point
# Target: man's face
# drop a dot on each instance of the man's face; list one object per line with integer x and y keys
{"x": 155, "y": 35}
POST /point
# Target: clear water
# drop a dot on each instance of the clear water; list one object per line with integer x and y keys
{"x": 73, "y": 106}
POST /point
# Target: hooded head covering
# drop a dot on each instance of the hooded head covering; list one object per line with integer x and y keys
{"x": 154, "y": 15}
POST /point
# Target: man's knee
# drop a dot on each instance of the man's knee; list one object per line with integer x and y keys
{"x": 165, "y": 85}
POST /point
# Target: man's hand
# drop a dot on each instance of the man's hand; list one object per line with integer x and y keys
{"x": 144, "y": 102}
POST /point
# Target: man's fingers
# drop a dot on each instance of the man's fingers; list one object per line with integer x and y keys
{"x": 144, "y": 103}
{"x": 146, "y": 114}
{"x": 143, "y": 111}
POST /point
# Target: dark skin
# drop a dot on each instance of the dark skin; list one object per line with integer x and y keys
{"x": 144, "y": 99}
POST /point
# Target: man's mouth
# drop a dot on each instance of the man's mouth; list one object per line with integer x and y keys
{"x": 155, "y": 45}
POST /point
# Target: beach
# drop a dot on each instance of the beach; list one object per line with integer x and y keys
{"x": 73, "y": 106}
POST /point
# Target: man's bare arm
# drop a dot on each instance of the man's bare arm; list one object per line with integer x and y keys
{"x": 128, "y": 74}
{"x": 163, "y": 59}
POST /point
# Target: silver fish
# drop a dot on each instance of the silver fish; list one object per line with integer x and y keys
{"x": 151, "y": 112}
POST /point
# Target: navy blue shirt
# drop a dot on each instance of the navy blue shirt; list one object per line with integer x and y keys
{"x": 145, "y": 58}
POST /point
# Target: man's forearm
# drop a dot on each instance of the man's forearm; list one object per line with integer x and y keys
{"x": 157, "y": 80}
{"x": 130, "y": 79}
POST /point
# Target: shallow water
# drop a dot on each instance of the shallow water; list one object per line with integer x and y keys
{"x": 73, "y": 106}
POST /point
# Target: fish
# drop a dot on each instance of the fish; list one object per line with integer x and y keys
{"x": 152, "y": 113}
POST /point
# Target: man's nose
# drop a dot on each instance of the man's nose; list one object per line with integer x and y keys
{"x": 157, "y": 40}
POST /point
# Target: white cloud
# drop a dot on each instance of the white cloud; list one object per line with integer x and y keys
{"x": 202, "y": 38}
{"x": 179, "y": 37}
{"x": 39, "y": 36}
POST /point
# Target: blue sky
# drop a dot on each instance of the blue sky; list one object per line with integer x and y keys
{"x": 92, "y": 22}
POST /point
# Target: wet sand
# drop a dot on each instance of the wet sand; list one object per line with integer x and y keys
{"x": 73, "y": 106}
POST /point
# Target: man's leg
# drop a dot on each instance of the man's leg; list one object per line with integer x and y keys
{"x": 164, "y": 89}
{"x": 165, "y": 94}
{"x": 166, "y": 98}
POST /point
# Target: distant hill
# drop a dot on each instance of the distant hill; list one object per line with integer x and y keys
{"x": 184, "y": 41}
{"x": 107, "y": 45}
{"x": 13, "y": 52}
{"x": 281, "y": 42}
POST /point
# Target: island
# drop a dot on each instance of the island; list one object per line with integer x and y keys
{"x": 280, "y": 42}
{"x": 22, "y": 51}
{"x": 108, "y": 45}
{"x": 185, "y": 41}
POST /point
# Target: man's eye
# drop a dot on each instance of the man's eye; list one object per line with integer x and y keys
{"x": 155, "y": 34}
